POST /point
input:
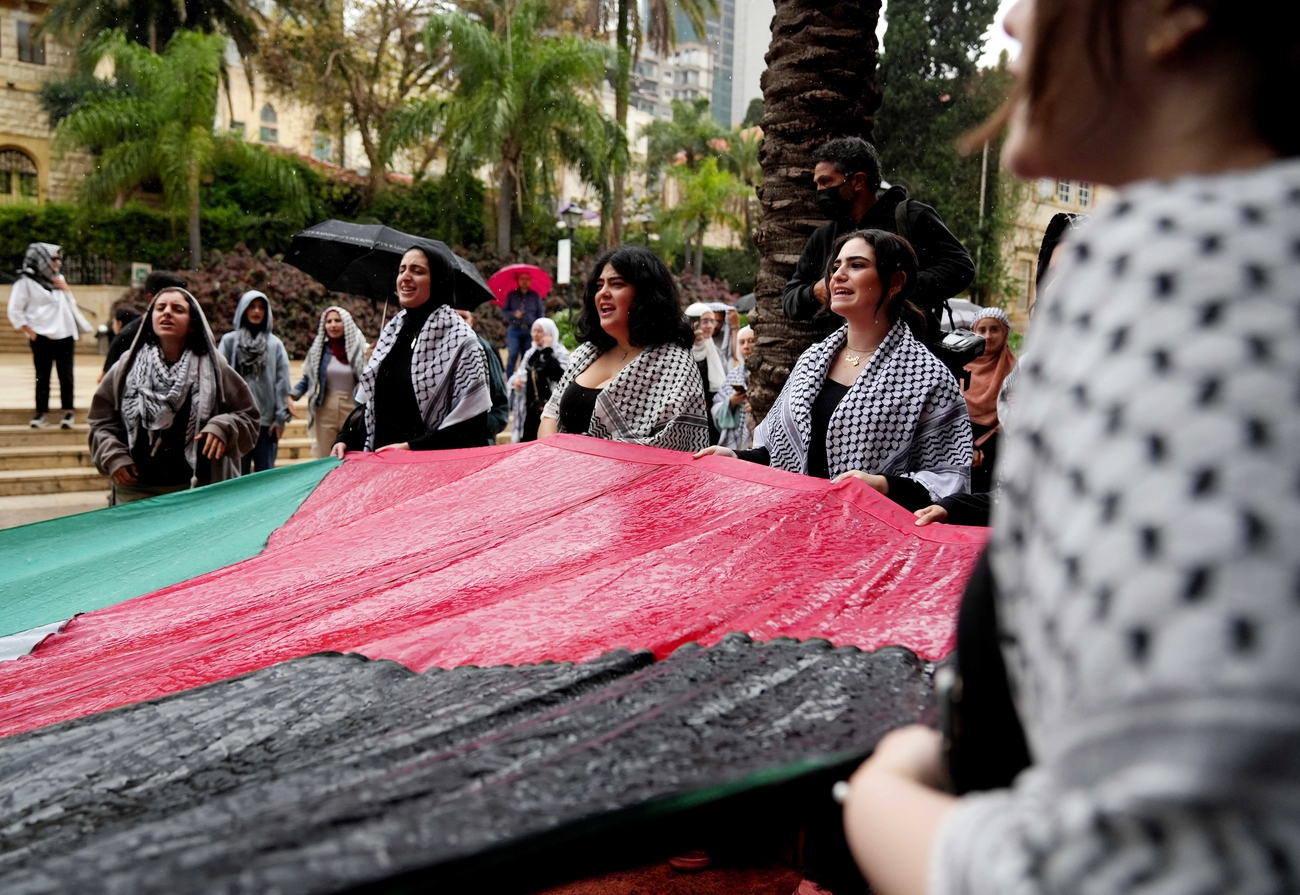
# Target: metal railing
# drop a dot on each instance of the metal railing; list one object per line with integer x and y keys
{"x": 89, "y": 270}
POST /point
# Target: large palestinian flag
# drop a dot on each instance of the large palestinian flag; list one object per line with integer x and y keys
{"x": 408, "y": 669}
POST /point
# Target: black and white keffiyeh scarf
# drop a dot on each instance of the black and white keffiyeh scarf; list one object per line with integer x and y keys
{"x": 155, "y": 391}
{"x": 735, "y": 437}
{"x": 38, "y": 263}
{"x": 903, "y": 416}
{"x": 250, "y": 352}
{"x": 656, "y": 400}
{"x": 448, "y": 372}
{"x": 354, "y": 344}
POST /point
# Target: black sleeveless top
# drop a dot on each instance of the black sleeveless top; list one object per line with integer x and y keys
{"x": 576, "y": 406}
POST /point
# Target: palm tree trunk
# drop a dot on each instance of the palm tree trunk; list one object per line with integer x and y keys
{"x": 622, "y": 90}
{"x": 819, "y": 84}
{"x": 196, "y": 241}
{"x": 505, "y": 206}
{"x": 699, "y": 250}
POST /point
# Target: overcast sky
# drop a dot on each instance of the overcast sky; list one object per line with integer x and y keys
{"x": 997, "y": 38}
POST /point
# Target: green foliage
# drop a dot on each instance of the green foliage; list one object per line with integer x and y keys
{"x": 754, "y": 114}
{"x": 691, "y": 136}
{"x": 933, "y": 94}
{"x": 61, "y": 96}
{"x": 296, "y": 298}
{"x": 737, "y": 267}
{"x": 235, "y": 214}
{"x": 164, "y": 130}
{"x": 449, "y": 208}
{"x": 708, "y": 197}
{"x": 524, "y": 102}
{"x": 152, "y": 23}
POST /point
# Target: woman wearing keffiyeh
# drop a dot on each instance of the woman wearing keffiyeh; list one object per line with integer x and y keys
{"x": 633, "y": 378}
{"x": 870, "y": 401}
{"x": 330, "y": 373}
{"x": 259, "y": 356}
{"x": 426, "y": 384}
{"x": 41, "y": 305}
{"x": 171, "y": 414}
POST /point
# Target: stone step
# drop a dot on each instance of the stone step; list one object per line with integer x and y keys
{"x": 56, "y": 456}
{"x": 51, "y": 481}
{"x": 21, "y": 416}
{"x": 23, "y": 435}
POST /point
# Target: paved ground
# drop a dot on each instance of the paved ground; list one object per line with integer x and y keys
{"x": 27, "y": 508}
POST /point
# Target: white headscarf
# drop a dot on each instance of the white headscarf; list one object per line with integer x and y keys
{"x": 705, "y": 350}
{"x": 517, "y": 399}
{"x": 354, "y": 344}
{"x": 736, "y": 360}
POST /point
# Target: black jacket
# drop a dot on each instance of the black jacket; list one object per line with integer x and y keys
{"x": 499, "y": 415}
{"x": 945, "y": 266}
{"x": 122, "y": 342}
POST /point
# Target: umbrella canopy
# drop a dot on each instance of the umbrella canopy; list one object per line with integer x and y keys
{"x": 363, "y": 259}
{"x": 503, "y": 281}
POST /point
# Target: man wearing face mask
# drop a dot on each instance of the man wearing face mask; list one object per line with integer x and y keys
{"x": 847, "y": 175}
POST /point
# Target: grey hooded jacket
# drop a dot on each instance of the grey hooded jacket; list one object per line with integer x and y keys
{"x": 271, "y": 389}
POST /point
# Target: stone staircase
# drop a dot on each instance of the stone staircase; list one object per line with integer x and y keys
{"x": 14, "y": 341}
{"x": 54, "y": 460}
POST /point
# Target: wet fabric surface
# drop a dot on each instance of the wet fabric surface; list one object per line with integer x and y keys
{"x": 53, "y": 570}
{"x": 330, "y": 772}
{"x": 428, "y": 560}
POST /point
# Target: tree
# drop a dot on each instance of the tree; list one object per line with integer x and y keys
{"x": 819, "y": 84}
{"x": 152, "y": 23}
{"x": 522, "y": 101}
{"x": 754, "y": 114}
{"x": 660, "y": 32}
{"x": 934, "y": 94}
{"x": 708, "y": 195}
{"x": 164, "y": 130}
{"x": 741, "y": 158}
{"x": 692, "y": 135}
{"x": 359, "y": 62}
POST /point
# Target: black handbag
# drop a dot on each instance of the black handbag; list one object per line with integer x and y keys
{"x": 957, "y": 349}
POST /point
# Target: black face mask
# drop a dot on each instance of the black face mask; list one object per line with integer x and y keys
{"x": 832, "y": 205}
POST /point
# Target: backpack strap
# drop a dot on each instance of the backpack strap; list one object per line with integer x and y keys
{"x": 900, "y": 220}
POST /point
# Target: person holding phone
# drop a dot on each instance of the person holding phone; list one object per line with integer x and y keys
{"x": 731, "y": 404}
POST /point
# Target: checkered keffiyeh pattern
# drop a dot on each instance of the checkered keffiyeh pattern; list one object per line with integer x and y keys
{"x": 656, "y": 400}
{"x": 903, "y": 416}
{"x": 448, "y": 372}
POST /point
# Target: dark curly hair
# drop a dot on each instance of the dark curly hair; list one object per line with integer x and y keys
{"x": 894, "y": 254}
{"x": 196, "y": 340}
{"x": 655, "y": 317}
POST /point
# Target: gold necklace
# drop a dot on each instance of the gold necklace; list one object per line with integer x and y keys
{"x": 850, "y": 358}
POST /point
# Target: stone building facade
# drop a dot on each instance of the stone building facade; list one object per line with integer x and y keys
{"x": 28, "y": 172}
{"x": 1044, "y": 199}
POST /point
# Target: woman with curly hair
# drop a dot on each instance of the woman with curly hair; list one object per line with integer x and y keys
{"x": 632, "y": 378}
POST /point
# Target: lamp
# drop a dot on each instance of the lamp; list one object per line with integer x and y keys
{"x": 571, "y": 214}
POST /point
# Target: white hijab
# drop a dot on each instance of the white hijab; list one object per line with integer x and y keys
{"x": 705, "y": 350}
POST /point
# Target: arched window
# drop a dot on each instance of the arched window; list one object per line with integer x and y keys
{"x": 18, "y": 181}
{"x": 270, "y": 132}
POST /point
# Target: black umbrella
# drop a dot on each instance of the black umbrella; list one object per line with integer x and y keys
{"x": 363, "y": 258}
